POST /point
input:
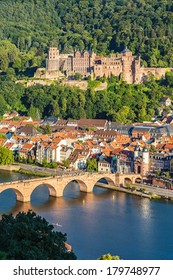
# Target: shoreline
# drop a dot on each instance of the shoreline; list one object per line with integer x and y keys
{"x": 18, "y": 169}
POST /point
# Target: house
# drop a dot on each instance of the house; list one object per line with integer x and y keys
{"x": 104, "y": 165}
{"x": 121, "y": 128}
{"x": 78, "y": 159}
{"x": 10, "y": 146}
{"x": 10, "y": 115}
{"x": 50, "y": 121}
{"x": 166, "y": 101}
{"x": 49, "y": 150}
{"x": 161, "y": 161}
{"x": 4, "y": 130}
{"x": 27, "y": 151}
{"x": 28, "y": 130}
{"x": 65, "y": 152}
{"x": 92, "y": 123}
{"x": 2, "y": 141}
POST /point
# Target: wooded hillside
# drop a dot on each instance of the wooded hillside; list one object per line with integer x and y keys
{"x": 146, "y": 26}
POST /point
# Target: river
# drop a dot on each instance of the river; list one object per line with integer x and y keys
{"x": 101, "y": 222}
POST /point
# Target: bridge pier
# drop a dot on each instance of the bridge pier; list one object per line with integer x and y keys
{"x": 23, "y": 198}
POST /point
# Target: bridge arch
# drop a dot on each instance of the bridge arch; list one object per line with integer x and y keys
{"x": 138, "y": 180}
{"x": 19, "y": 194}
{"x": 127, "y": 181}
{"x": 99, "y": 182}
{"x": 51, "y": 188}
{"x": 82, "y": 185}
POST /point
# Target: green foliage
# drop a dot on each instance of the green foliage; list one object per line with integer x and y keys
{"x": 2, "y": 136}
{"x": 92, "y": 164}
{"x": 78, "y": 76}
{"x": 143, "y": 190}
{"x": 3, "y": 255}
{"x": 47, "y": 129}
{"x": 108, "y": 257}
{"x": 93, "y": 84}
{"x": 152, "y": 149}
{"x": 128, "y": 185}
{"x": 6, "y": 156}
{"x": 32, "y": 173}
{"x": 120, "y": 102}
{"x": 159, "y": 172}
{"x": 104, "y": 26}
{"x": 134, "y": 189}
{"x": 167, "y": 175}
{"x": 66, "y": 163}
{"x": 34, "y": 113}
{"x": 30, "y": 237}
{"x": 49, "y": 164}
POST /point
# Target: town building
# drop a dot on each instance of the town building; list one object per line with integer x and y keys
{"x": 161, "y": 161}
{"x": 166, "y": 101}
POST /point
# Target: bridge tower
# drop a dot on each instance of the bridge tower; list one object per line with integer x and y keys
{"x": 145, "y": 160}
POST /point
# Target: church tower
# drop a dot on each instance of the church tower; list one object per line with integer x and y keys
{"x": 52, "y": 62}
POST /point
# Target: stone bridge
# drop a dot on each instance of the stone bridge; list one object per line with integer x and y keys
{"x": 57, "y": 184}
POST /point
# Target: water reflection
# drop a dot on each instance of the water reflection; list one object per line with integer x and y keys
{"x": 103, "y": 221}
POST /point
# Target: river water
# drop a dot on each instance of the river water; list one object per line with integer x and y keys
{"x": 101, "y": 222}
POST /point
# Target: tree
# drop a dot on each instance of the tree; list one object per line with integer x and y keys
{"x": 66, "y": 163}
{"x": 92, "y": 164}
{"x": 143, "y": 190}
{"x": 167, "y": 175}
{"x": 152, "y": 149}
{"x": 128, "y": 185}
{"x": 3, "y": 256}
{"x": 47, "y": 129}
{"x": 134, "y": 189}
{"x": 159, "y": 172}
{"x": 44, "y": 162}
{"x": 34, "y": 113}
{"x": 109, "y": 257}
{"x": 77, "y": 76}
{"x": 30, "y": 237}
{"x": 6, "y": 156}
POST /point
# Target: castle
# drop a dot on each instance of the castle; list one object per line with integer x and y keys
{"x": 88, "y": 63}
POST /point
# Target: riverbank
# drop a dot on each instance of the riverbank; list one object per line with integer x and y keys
{"x": 10, "y": 167}
{"x": 32, "y": 173}
{"x": 17, "y": 168}
{"x": 120, "y": 189}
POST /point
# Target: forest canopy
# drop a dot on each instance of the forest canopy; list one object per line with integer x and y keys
{"x": 28, "y": 28}
{"x": 119, "y": 102}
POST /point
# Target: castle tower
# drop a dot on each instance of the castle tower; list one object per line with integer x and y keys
{"x": 145, "y": 160}
{"x": 52, "y": 62}
{"x": 137, "y": 71}
{"x": 127, "y": 66}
